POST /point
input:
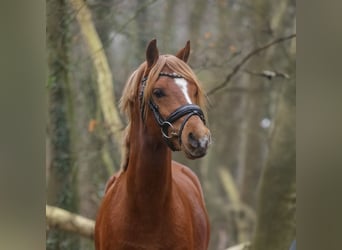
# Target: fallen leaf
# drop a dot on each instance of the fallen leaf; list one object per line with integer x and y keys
{"x": 91, "y": 125}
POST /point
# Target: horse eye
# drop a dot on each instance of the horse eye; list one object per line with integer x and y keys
{"x": 158, "y": 93}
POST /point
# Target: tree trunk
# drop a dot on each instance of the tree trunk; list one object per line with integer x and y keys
{"x": 104, "y": 76}
{"x": 86, "y": 144}
{"x": 61, "y": 185}
{"x": 198, "y": 9}
{"x": 256, "y": 144}
{"x": 277, "y": 195}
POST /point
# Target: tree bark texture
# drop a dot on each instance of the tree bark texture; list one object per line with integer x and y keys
{"x": 277, "y": 195}
{"x": 61, "y": 183}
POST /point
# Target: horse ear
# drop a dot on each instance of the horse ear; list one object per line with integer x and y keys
{"x": 152, "y": 53}
{"x": 184, "y": 53}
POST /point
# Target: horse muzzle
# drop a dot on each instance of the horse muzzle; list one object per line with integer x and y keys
{"x": 196, "y": 144}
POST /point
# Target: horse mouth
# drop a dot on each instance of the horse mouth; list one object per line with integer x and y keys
{"x": 194, "y": 153}
{"x": 196, "y": 147}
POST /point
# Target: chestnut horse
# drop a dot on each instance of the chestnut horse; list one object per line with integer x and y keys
{"x": 154, "y": 202}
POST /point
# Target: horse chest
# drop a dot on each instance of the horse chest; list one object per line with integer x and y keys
{"x": 178, "y": 224}
{"x": 141, "y": 234}
{"x": 167, "y": 230}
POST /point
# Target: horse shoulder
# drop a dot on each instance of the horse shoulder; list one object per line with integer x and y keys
{"x": 200, "y": 213}
{"x": 106, "y": 212}
{"x": 187, "y": 172}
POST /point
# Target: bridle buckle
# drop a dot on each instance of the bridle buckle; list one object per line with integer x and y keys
{"x": 164, "y": 129}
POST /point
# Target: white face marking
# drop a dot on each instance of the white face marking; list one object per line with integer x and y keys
{"x": 183, "y": 85}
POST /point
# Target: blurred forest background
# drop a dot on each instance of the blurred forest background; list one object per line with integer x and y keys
{"x": 244, "y": 53}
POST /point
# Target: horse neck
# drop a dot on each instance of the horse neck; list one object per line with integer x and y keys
{"x": 149, "y": 166}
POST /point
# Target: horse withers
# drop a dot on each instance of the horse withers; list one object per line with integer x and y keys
{"x": 154, "y": 202}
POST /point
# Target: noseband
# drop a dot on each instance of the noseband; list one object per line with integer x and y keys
{"x": 164, "y": 124}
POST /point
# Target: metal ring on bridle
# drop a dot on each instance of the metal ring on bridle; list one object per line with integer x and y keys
{"x": 168, "y": 124}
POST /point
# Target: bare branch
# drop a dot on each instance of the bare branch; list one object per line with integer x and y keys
{"x": 235, "y": 201}
{"x": 127, "y": 22}
{"x": 268, "y": 74}
{"x": 229, "y": 186}
{"x": 62, "y": 219}
{"x": 243, "y": 246}
{"x": 245, "y": 59}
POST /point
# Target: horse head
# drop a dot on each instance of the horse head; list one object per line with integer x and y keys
{"x": 172, "y": 99}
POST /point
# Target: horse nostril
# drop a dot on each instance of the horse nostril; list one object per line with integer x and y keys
{"x": 192, "y": 140}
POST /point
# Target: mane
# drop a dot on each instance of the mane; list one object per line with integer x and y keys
{"x": 131, "y": 91}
